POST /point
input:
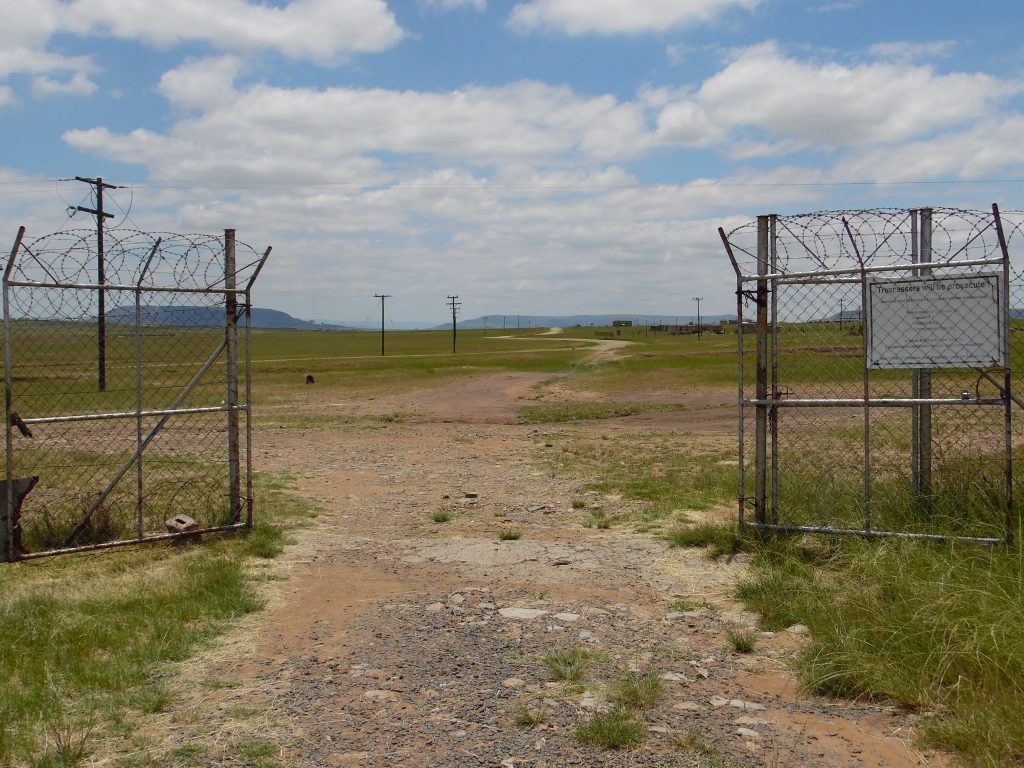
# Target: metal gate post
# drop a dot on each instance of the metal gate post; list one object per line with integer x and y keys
{"x": 741, "y": 409}
{"x": 231, "y": 351}
{"x": 1007, "y": 381}
{"x": 761, "y": 409}
{"x": 924, "y": 429}
{"x": 7, "y": 550}
{"x": 915, "y": 376}
{"x": 773, "y": 411}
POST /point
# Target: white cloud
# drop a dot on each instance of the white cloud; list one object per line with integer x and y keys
{"x": 318, "y": 30}
{"x": 23, "y": 38}
{"x": 520, "y": 192}
{"x": 829, "y": 105}
{"x": 78, "y": 84}
{"x": 6, "y": 95}
{"x": 980, "y": 150}
{"x": 200, "y": 83}
{"x": 449, "y": 5}
{"x": 268, "y": 130}
{"x": 323, "y": 31}
{"x": 614, "y": 17}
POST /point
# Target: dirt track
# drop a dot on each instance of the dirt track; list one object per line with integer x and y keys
{"x": 387, "y": 645}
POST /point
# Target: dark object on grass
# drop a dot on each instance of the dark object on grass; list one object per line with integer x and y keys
{"x": 22, "y": 485}
{"x": 310, "y": 379}
{"x": 21, "y": 425}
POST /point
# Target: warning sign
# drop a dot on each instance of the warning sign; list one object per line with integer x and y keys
{"x": 935, "y": 322}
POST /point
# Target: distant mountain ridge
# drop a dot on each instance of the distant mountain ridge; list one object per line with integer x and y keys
{"x": 209, "y": 317}
{"x": 511, "y": 322}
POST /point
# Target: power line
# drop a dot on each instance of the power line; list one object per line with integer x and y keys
{"x": 487, "y": 183}
{"x": 101, "y": 278}
{"x": 455, "y": 309}
{"x": 382, "y": 296}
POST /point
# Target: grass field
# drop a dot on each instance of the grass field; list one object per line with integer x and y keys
{"x": 83, "y": 641}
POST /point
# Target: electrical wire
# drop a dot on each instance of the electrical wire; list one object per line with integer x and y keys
{"x": 263, "y": 185}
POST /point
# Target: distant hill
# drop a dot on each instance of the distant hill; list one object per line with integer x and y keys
{"x": 512, "y": 322}
{"x": 209, "y": 317}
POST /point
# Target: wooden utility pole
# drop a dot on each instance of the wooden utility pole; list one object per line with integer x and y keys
{"x": 455, "y": 309}
{"x": 698, "y": 299}
{"x": 101, "y": 277}
{"x": 382, "y": 296}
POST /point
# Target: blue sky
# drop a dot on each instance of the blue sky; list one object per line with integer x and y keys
{"x": 533, "y": 157}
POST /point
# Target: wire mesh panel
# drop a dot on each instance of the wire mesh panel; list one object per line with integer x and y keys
{"x": 122, "y": 388}
{"x": 877, "y": 351}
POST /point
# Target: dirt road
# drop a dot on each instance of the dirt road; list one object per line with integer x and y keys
{"x": 395, "y": 640}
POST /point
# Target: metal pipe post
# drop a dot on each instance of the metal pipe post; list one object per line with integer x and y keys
{"x": 7, "y": 551}
{"x": 761, "y": 388}
{"x": 740, "y": 407}
{"x": 231, "y": 352}
{"x": 1007, "y": 391}
{"x": 915, "y": 376}
{"x": 773, "y": 410}
{"x": 139, "y": 504}
{"x": 925, "y": 380}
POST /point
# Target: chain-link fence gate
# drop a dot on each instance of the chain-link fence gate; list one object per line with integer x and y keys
{"x": 127, "y": 373}
{"x": 877, "y": 351}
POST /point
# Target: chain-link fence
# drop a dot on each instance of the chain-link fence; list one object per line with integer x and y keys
{"x": 877, "y": 353}
{"x": 127, "y": 381}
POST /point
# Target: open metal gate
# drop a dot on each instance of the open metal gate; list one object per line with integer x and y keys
{"x": 127, "y": 375}
{"x": 877, "y": 354}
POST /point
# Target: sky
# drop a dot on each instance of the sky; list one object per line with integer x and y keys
{"x": 529, "y": 156}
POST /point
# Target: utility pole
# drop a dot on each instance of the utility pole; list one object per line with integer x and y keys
{"x": 455, "y": 309}
{"x": 840, "y": 313}
{"x": 101, "y": 277}
{"x": 698, "y": 299}
{"x": 382, "y": 296}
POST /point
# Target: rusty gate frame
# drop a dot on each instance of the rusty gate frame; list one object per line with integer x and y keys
{"x": 238, "y": 307}
{"x": 768, "y": 400}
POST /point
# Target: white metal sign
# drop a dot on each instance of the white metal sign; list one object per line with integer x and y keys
{"x": 935, "y": 322}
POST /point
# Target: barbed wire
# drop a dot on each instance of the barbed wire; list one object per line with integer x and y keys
{"x": 820, "y": 241}
{"x": 181, "y": 260}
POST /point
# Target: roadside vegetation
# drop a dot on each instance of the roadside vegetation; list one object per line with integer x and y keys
{"x": 939, "y": 627}
{"x": 85, "y": 640}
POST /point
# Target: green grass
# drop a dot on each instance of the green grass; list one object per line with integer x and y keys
{"x": 616, "y": 729}
{"x": 721, "y": 539}
{"x": 567, "y": 663}
{"x": 742, "y": 640}
{"x": 583, "y": 411}
{"x": 935, "y": 626}
{"x": 681, "y": 606}
{"x": 529, "y": 716}
{"x": 443, "y": 516}
{"x": 693, "y": 740}
{"x": 664, "y": 471}
{"x": 510, "y": 534}
{"x": 69, "y": 654}
{"x": 637, "y": 690}
{"x": 84, "y": 639}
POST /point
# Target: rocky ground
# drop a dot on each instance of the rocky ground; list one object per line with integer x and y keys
{"x": 395, "y": 640}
